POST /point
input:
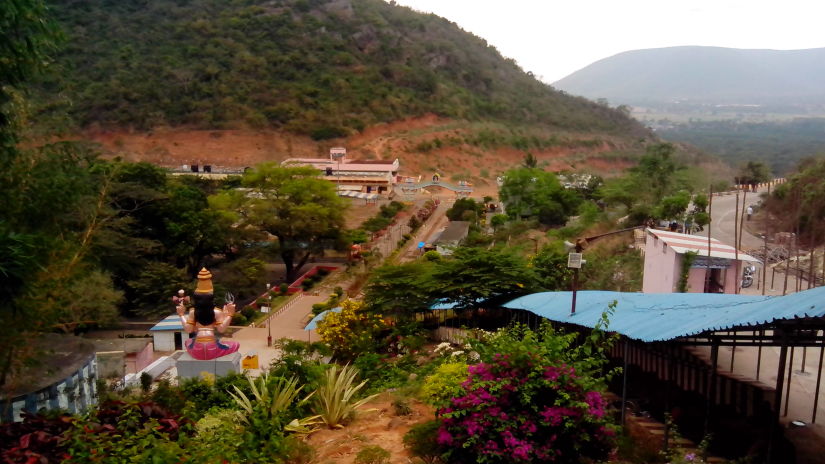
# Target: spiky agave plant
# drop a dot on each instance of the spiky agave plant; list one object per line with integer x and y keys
{"x": 335, "y": 401}
{"x": 274, "y": 398}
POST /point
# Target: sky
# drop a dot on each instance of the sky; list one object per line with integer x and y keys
{"x": 554, "y": 38}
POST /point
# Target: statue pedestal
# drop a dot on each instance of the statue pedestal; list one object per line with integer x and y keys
{"x": 189, "y": 367}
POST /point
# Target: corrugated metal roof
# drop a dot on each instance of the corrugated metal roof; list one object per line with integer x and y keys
{"x": 170, "y": 323}
{"x": 654, "y": 317}
{"x": 682, "y": 243}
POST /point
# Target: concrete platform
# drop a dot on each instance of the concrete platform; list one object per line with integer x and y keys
{"x": 189, "y": 367}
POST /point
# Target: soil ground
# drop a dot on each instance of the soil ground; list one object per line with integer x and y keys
{"x": 376, "y": 425}
{"x": 401, "y": 139}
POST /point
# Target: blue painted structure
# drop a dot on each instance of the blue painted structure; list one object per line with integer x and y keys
{"x": 652, "y": 317}
{"x": 313, "y": 324}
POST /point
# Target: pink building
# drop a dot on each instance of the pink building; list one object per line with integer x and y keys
{"x": 664, "y": 253}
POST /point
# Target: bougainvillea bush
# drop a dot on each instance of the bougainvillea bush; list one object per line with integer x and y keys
{"x": 535, "y": 397}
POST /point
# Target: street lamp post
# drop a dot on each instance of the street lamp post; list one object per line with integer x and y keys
{"x": 269, "y": 318}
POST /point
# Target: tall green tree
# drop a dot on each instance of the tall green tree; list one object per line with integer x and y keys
{"x": 301, "y": 210}
{"x": 534, "y": 193}
{"x": 402, "y": 290}
{"x": 753, "y": 173}
{"x": 472, "y": 275}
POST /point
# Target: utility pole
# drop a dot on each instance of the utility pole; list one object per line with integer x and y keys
{"x": 269, "y": 318}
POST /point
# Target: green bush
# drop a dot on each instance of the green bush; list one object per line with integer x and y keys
{"x": 339, "y": 291}
{"x": 284, "y": 288}
{"x": 372, "y": 455}
{"x": 145, "y": 382}
{"x": 444, "y": 384}
{"x": 249, "y": 312}
{"x": 318, "y": 308}
{"x": 401, "y": 407}
{"x": 421, "y": 441}
{"x": 239, "y": 319}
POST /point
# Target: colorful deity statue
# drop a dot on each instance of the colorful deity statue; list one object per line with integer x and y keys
{"x": 205, "y": 319}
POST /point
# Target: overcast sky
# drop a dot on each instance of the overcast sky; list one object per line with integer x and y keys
{"x": 553, "y": 38}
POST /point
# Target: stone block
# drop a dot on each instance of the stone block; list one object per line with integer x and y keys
{"x": 189, "y": 367}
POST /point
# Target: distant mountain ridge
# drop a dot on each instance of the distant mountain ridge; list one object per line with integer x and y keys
{"x": 703, "y": 75}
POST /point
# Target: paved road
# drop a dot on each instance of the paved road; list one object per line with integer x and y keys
{"x": 289, "y": 324}
{"x": 723, "y": 223}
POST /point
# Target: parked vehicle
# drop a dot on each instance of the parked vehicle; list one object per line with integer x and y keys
{"x": 747, "y": 275}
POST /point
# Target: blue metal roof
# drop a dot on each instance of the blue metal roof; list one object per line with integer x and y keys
{"x": 170, "y": 323}
{"x": 654, "y": 317}
{"x": 313, "y": 324}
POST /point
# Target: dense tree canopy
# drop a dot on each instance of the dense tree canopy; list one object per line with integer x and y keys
{"x": 292, "y": 204}
{"x": 534, "y": 193}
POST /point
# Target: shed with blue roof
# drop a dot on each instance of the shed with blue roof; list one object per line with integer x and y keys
{"x": 168, "y": 334}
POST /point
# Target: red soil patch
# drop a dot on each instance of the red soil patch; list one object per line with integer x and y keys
{"x": 379, "y": 427}
{"x": 242, "y": 148}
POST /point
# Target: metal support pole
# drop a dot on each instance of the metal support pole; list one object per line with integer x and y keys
{"x": 765, "y": 264}
{"x": 818, "y": 382}
{"x": 624, "y": 381}
{"x": 575, "y": 287}
{"x": 711, "y": 387}
{"x": 788, "y": 389}
{"x": 780, "y": 377}
{"x": 804, "y": 358}
{"x": 759, "y": 353}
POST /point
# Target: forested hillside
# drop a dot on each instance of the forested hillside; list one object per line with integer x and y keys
{"x": 324, "y": 68}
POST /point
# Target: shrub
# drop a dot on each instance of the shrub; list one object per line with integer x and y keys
{"x": 535, "y": 398}
{"x": 334, "y": 400}
{"x": 284, "y": 288}
{"x": 372, "y": 455}
{"x": 318, "y": 308}
{"x": 440, "y": 387}
{"x": 422, "y": 443}
{"x": 351, "y": 331}
{"x": 401, "y": 407}
{"x": 239, "y": 319}
{"x": 432, "y": 255}
{"x": 38, "y": 438}
{"x": 249, "y": 312}
{"x": 298, "y": 451}
{"x": 125, "y": 432}
{"x": 145, "y": 382}
{"x": 338, "y": 291}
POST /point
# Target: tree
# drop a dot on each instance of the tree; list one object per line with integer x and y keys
{"x": 538, "y": 194}
{"x": 290, "y": 203}
{"x": 754, "y": 173}
{"x": 402, "y": 290}
{"x": 465, "y": 209}
{"x": 530, "y": 161}
{"x": 474, "y": 275}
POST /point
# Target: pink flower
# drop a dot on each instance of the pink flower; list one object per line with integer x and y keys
{"x": 444, "y": 437}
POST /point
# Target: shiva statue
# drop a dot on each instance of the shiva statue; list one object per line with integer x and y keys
{"x": 204, "y": 320}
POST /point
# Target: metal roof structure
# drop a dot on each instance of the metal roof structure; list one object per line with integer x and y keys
{"x": 653, "y": 317}
{"x": 682, "y": 243}
{"x": 313, "y": 324}
{"x": 170, "y": 323}
{"x": 362, "y": 195}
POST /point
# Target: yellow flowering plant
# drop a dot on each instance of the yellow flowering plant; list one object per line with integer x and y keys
{"x": 351, "y": 331}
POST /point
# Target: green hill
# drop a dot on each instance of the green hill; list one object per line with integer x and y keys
{"x": 325, "y": 68}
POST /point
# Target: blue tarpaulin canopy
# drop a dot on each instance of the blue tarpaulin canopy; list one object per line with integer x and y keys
{"x": 313, "y": 324}
{"x": 651, "y": 317}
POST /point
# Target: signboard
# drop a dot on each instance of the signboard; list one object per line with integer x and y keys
{"x": 421, "y": 245}
{"x": 574, "y": 260}
{"x": 249, "y": 361}
{"x": 711, "y": 263}
{"x": 337, "y": 152}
